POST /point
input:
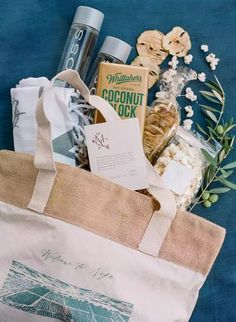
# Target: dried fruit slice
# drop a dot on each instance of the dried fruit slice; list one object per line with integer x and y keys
{"x": 154, "y": 69}
{"x": 149, "y": 43}
{"x": 177, "y": 42}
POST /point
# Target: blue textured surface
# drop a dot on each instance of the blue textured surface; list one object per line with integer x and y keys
{"x": 32, "y": 36}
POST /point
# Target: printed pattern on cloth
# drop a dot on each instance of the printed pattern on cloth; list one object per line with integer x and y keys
{"x": 16, "y": 113}
{"x": 33, "y": 292}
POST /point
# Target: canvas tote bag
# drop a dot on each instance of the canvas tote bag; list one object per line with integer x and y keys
{"x": 76, "y": 247}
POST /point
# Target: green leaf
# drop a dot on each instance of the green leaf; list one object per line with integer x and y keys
{"x": 209, "y": 158}
{"x": 212, "y": 135}
{"x": 230, "y": 165}
{"x": 229, "y": 173}
{"x": 207, "y": 93}
{"x": 219, "y": 84}
{"x": 231, "y": 121}
{"x": 211, "y": 99}
{"x": 223, "y": 171}
{"x": 225, "y": 175}
{"x": 226, "y": 145}
{"x": 229, "y": 128}
{"x": 217, "y": 87}
{"x": 215, "y": 136}
{"x": 228, "y": 183}
{"x": 232, "y": 141}
{"x": 222, "y": 155}
{"x": 209, "y": 108}
{"x": 201, "y": 129}
{"x": 213, "y": 93}
{"x": 209, "y": 123}
{"x": 211, "y": 115}
{"x": 214, "y": 86}
{"x": 207, "y": 177}
{"x": 218, "y": 96}
{"x": 213, "y": 131}
{"x": 209, "y": 174}
{"x": 219, "y": 190}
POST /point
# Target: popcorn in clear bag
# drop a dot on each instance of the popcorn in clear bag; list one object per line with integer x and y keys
{"x": 182, "y": 165}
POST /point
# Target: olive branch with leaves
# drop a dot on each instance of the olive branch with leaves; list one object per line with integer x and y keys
{"x": 217, "y": 130}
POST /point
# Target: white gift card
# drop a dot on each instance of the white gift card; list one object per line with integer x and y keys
{"x": 177, "y": 177}
{"x": 116, "y": 153}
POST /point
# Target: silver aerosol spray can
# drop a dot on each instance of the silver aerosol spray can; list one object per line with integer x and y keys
{"x": 81, "y": 40}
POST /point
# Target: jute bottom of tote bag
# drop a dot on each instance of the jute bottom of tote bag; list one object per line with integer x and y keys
{"x": 82, "y": 257}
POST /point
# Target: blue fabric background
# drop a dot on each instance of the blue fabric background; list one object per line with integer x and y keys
{"x": 32, "y": 36}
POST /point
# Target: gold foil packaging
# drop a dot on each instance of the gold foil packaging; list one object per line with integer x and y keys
{"x": 125, "y": 88}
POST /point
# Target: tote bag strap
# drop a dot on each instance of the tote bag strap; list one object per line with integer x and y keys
{"x": 43, "y": 161}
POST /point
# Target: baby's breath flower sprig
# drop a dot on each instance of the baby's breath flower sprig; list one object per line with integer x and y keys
{"x": 217, "y": 130}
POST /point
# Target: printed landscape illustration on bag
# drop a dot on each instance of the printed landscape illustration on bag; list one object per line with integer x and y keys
{"x": 33, "y": 292}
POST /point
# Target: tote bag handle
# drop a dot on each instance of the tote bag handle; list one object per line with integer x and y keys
{"x": 43, "y": 160}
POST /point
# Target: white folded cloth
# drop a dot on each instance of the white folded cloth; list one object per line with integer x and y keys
{"x": 34, "y": 81}
{"x": 24, "y": 99}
